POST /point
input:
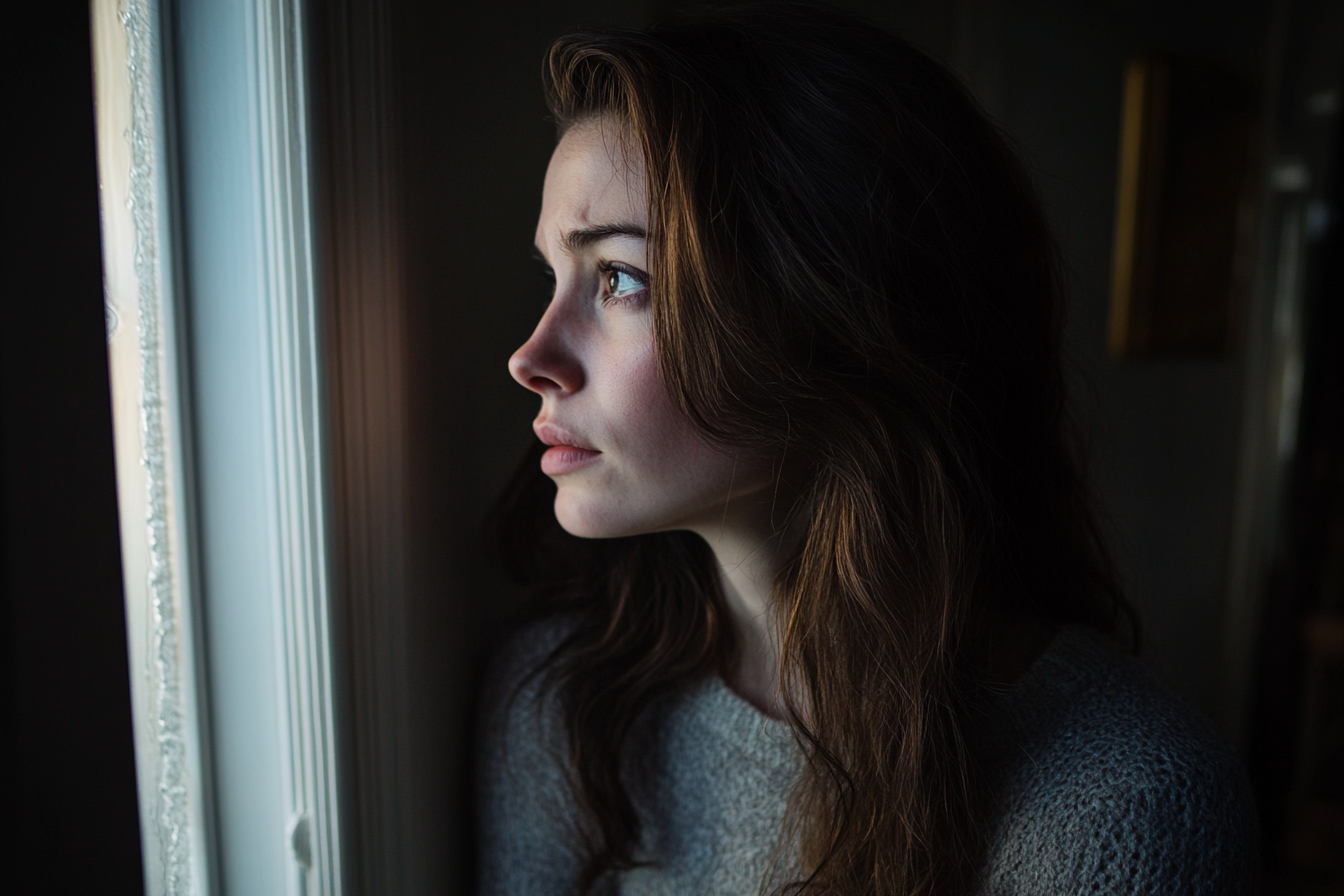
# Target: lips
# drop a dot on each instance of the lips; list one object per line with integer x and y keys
{"x": 567, "y": 452}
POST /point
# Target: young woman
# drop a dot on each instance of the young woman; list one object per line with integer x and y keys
{"x": 827, "y": 610}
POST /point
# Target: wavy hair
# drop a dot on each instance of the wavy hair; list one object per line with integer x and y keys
{"x": 851, "y": 273}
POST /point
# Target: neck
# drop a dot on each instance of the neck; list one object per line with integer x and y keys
{"x": 750, "y": 552}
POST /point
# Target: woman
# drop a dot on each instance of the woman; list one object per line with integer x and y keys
{"x": 825, "y": 605}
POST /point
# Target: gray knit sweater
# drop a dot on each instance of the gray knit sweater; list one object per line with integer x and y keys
{"x": 1104, "y": 784}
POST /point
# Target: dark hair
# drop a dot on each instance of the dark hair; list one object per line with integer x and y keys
{"x": 850, "y": 271}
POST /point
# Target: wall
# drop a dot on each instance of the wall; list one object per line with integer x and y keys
{"x": 476, "y": 147}
{"x": 1165, "y": 432}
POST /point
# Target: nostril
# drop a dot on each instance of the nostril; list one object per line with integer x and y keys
{"x": 542, "y": 384}
{"x": 534, "y": 376}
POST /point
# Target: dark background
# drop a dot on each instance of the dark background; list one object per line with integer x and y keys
{"x": 70, "y": 801}
{"x": 474, "y": 145}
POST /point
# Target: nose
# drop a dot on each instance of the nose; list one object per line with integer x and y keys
{"x": 545, "y": 363}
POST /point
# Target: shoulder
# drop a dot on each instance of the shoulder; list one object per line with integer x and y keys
{"x": 1108, "y": 781}
{"x": 515, "y": 664}
{"x": 520, "y": 714}
{"x": 526, "y": 823}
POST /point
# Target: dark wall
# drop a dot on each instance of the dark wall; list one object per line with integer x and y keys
{"x": 70, "y": 800}
{"x": 1166, "y": 433}
{"x": 476, "y": 146}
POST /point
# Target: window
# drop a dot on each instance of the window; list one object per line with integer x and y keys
{"x": 216, "y": 368}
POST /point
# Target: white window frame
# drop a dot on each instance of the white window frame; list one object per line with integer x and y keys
{"x": 216, "y": 359}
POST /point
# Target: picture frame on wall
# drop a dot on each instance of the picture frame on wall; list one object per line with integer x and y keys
{"x": 1184, "y": 208}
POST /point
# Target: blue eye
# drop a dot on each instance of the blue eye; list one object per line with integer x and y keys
{"x": 621, "y": 284}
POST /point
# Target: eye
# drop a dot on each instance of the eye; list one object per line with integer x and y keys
{"x": 546, "y": 272}
{"x": 621, "y": 283}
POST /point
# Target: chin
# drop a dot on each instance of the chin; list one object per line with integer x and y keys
{"x": 586, "y": 517}
{"x": 579, "y": 517}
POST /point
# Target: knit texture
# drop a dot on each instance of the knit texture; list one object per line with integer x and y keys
{"x": 1102, "y": 782}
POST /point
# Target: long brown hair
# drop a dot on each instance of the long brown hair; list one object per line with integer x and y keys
{"x": 850, "y": 272}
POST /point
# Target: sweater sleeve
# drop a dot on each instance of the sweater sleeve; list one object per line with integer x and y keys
{"x": 528, "y": 841}
{"x": 1166, "y": 838}
{"x": 1137, "y": 798}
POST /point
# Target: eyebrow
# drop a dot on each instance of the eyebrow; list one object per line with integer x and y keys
{"x": 578, "y": 240}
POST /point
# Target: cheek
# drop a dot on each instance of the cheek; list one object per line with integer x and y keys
{"x": 650, "y": 434}
{"x": 659, "y": 471}
{"x": 671, "y": 475}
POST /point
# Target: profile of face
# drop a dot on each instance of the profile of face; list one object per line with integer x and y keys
{"x": 624, "y": 459}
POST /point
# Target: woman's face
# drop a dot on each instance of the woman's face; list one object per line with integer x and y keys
{"x": 625, "y": 461}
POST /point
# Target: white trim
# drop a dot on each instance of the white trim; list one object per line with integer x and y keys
{"x": 258, "y": 388}
{"x": 296, "y": 469}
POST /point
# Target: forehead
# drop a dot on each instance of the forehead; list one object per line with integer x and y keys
{"x": 593, "y": 179}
